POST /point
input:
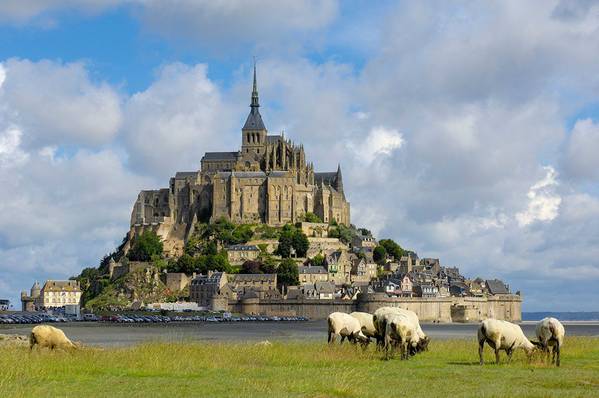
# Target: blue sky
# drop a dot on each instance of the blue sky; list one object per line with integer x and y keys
{"x": 466, "y": 131}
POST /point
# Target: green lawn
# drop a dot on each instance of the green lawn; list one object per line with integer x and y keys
{"x": 311, "y": 369}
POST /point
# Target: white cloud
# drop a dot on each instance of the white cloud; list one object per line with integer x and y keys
{"x": 24, "y": 11}
{"x": 237, "y": 23}
{"x": 173, "y": 122}
{"x": 543, "y": 201}
{"x": 55, "y": 103}
{"x": 10, "y": 151}
{"x": 379, "y": 142}
{"x": 581, "y": 160}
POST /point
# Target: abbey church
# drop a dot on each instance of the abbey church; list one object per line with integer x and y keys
{"x": 268, "y": 181}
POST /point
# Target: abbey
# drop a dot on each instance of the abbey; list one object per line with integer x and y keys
{"x": 268, "y": 181}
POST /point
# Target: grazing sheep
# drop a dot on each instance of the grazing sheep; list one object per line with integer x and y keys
{"x": 346, "y": 326}
{"x": 400, "y": 331}
{"x": 502, "y": 335}
{"x": 366, "y": 323}
{"x": 379, "y": 319}
{"x": 50, "y": 337}
{"x": 551, "y": 332}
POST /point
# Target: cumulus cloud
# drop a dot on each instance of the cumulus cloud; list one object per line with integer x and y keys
{"x": 543, "y": 202}
{"x": 20, "y": 12}
{"x": 58, "y": 103}
{"x": 169, "y": 125}
{"x": 581, "y": 160}
{"x": 379, "y": 142}
{"x": 236, "y": 23}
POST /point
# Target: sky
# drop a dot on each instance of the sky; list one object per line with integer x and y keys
{"x": 466, "y": 131}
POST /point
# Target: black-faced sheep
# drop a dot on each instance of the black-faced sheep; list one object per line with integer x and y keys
{"x": 345, "y": 326}
{"x": 379, "y": 319}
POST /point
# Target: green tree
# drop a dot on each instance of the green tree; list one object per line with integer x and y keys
{"x": 300, "y": 243}
{"x": 145, "y": 246}
{"x": 379, "y": 254}
{"x": 288, "y": 273}
{"x": 251, "y": 267}
{"x": 392, "y": 248}
{"x": 286, "y": 241}
{"x": 186, "y": 264}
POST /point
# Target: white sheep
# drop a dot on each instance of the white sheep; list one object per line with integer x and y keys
{"x": 379, "y": 320}
{"x": 502, "y": 335}
{"x": 551, "y": 332}
{"x": 366, "y": 323}
{"x": 346, "y": 326}
{"x": 400, "y": 331}
{"x": 50, "y": 337}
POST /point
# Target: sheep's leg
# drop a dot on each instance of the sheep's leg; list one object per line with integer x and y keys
{"x": 497, "y": 354}
{"x": 342, "y": 339}
{"x": 481, "y": 345}
{"x": 509, "y": 353}
{"x": 329, "y": 337}
{"x": 556, "y": 349}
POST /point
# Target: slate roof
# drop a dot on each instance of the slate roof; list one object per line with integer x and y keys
{"x": 61, "y": 286}
{"x": 315, "y": 269}
{"x": 254, "y": 120}
{"x": 220, "y": 156}
{"x": 185, "y": 174}
{"x": 496, "y": 286}
{"x": 253, "y": 278}
{"x": 251, "y": 248}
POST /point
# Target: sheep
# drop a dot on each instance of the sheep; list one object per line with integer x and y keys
{"x": 550, "y": 332}
{"x": 345, "y": 325}
{"x": 400, "y": 330}
{"x": 502, "y": 335}
{"x": 366, "y": 323}
{"x": 50, "y": 337}
{"x": 379, "y": 320}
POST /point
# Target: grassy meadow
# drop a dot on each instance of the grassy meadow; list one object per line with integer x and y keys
{"x": 293, "y": 369}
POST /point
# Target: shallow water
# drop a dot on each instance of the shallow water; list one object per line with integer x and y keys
{"x": 108, "y": 334}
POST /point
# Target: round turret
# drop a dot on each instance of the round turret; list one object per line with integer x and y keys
{"x": 35, "y": 290}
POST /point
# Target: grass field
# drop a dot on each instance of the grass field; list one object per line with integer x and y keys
{"x": 298, "y": 369}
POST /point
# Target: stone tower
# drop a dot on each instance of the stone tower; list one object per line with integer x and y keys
{"x": 253, "y": 133}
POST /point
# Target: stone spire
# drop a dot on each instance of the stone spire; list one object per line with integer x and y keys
{"x": 255, "y": 103}
{"x": 254, "y": 120}
{"x": 339, "y": 180}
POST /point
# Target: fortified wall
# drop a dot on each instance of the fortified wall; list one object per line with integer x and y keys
{"x": 448, "y": 309}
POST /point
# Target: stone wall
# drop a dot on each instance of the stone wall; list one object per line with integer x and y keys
{"x": 449, "y": 309}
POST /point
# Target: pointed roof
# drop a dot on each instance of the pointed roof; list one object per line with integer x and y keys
{"x": 254, "y": 119}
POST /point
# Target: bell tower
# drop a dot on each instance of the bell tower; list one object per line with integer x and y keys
{"x": 253, "y": 133}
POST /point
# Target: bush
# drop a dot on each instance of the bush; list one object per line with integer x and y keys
{"x": 311, "y": 217}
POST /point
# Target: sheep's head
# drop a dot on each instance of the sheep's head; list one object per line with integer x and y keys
{"x": 423, "y": 344}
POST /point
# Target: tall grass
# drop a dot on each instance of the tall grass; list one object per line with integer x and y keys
{"x": 296, "y": 369}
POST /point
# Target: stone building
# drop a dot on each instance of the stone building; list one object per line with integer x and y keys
{"x": 57, "y": 294}
{"x": 312, "y": 273}
{"x": 239, "y": 254}
{"x": 268, "y": 180}
{"x": 204, "y": 287}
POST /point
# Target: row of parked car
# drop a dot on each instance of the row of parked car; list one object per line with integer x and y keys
{"x": 197, "y": 318}
{"x": 10, "y": 319}
{"x": 135, "y": 318}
